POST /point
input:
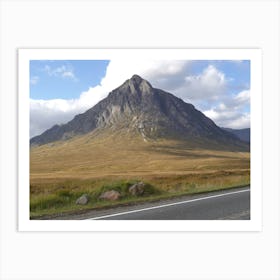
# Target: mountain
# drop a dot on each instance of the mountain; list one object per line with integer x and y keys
{"x": 242, "y": 134}
{"x": 137, "y": 109}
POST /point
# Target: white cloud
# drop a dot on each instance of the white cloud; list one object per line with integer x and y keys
{"x": 209, "y": 87}
{"x": 34, "y": 80}
{"x": 161, "y": 73}
{"x": 64, "y": 71}
{"x": 68, "y": 74}
{"x": 229, "y": 119}
{"x": 242, "y": 97}
{"x": 231, "y": 113}
{"x": 46, "y": 113}
{"x": 242, "y": 121}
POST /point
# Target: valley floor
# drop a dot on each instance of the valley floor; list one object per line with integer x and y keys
{"x": 61, "y": 172}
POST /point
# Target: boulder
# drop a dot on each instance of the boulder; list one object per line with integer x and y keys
{"x": 110, "y": 195}
{"x": 82, "y": 200}
{"x": 137, "y": 189}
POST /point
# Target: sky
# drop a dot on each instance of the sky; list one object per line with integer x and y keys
{"x": 61, "y": 89}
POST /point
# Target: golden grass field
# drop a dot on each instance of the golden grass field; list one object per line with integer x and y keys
{"x": 61, "y": 171}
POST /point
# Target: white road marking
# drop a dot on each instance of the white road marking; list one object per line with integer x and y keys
{"x": 167, "y": 205}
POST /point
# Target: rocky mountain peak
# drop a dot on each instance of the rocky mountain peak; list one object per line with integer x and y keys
{"x": 137, "y": 85}
{"x": 136, "y": 108}
{"x": 136, "y": 79}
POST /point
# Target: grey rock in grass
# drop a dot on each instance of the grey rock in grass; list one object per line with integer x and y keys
{"x": 83, "y": 200}
{"x": 110, "y": 195}
{"x": 137, "y": 189}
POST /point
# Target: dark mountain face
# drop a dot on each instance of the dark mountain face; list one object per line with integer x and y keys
{"x": 138, "y": 108}
{"x": 242, "y": 134}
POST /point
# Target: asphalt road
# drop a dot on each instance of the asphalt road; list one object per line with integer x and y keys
{"x": 233, "y": 204}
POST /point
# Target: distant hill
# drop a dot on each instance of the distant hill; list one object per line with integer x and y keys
{"x": 137, "y": 109}
{"x": 242, "y": 134}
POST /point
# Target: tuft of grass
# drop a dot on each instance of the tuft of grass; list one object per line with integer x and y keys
{"x": 52, "y": 201}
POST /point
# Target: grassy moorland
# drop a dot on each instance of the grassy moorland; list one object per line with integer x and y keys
{"x": 61, "y": 172}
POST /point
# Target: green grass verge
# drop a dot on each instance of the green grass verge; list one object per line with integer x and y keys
{"x": 61, "y": 199}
